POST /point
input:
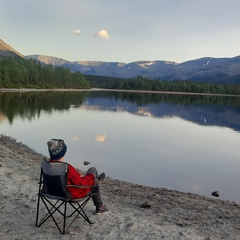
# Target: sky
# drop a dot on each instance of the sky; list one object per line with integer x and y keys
{"x": 122, "y": 30}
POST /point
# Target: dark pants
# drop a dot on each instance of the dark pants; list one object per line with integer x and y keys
{"x": 96, "y": 196}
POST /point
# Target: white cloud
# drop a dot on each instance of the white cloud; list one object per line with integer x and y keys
{"x": 77, "y": 31}
{"x": 102, "y": 34}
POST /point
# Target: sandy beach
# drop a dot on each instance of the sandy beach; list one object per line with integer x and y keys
{"x": 171, "y": 215}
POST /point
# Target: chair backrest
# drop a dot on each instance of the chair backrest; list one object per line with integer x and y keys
{"x": 54, "y": 176}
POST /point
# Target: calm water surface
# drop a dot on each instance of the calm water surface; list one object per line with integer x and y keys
{"x": 186, "y": 143}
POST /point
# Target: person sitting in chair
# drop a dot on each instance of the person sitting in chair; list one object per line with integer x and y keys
{"x": 57, "y": 149}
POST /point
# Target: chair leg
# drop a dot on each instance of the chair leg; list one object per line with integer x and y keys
{"x": 53, "y": 207}
{"x": 64, "y": 218}
{"x": 38, "y": 202}
{"x": 80, "y": 209}
{"x": 50, "y": 211}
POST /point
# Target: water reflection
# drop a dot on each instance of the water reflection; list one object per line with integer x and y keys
{"x": 188, "y": 143}
{"x": 203, "y": 110}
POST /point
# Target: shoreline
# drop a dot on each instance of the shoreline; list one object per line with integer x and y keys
{"x": 171, "y": 215}
{"x": 110, "y": 90}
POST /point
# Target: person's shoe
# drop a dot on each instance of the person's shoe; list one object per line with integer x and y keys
{"x": 101, "y": 209}
{"x": 102, "y": 178}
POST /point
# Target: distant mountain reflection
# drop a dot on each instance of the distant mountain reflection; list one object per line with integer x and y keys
{"x": 203, "y": 110}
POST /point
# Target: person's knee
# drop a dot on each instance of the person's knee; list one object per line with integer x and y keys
{"x": 92, "y": 170}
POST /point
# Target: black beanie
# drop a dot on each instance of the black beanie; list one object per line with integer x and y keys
{"x": 56, "y": 148}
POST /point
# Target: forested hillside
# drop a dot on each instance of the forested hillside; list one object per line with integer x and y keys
{"x": 22, "y": 73}
{"x": 141, "y": 83}
{"x": 19, "y": 73}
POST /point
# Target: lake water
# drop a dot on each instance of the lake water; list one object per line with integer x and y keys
{"x": 187, "y": 143}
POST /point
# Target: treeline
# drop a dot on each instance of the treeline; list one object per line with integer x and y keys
{"x": 21, "y": 73}
{"x": 141, "y": 83}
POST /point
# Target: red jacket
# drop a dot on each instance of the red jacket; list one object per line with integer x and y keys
{"x": 75, "y": 178}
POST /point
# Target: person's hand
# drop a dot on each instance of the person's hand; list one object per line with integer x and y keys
{"x": 86, "y": 163}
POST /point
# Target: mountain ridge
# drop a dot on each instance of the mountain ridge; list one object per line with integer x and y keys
{"x": 7, "y": 51}
{"x": 206, "y": 69}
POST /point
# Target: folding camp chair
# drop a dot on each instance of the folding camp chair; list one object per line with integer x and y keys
{"x": 54, "y": 196}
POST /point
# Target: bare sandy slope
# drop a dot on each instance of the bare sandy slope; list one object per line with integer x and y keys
{"x": 172, "y": 215}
